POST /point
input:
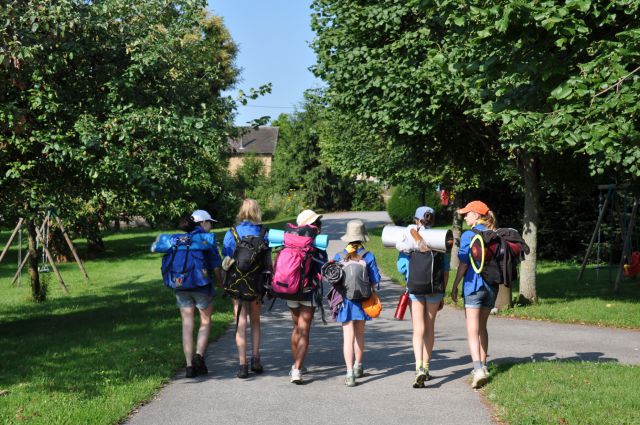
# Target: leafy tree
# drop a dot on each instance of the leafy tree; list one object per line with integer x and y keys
{"x": 110, "y": 107}
{"x": 505, "y": 80}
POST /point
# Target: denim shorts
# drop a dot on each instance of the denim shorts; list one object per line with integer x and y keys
{"x": 429, "y": 298}
{"x": 186, "y": 299}
{"x": 485, "y": 297}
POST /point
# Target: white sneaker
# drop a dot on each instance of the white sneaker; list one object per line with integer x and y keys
{"x": 486, "y": 370}
{"x": 304, "y": 370}
{"x": 479, "y": 378}
{"x": 296, "y": 376}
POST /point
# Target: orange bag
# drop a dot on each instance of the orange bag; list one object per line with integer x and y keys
{"x": 372, "y": 306}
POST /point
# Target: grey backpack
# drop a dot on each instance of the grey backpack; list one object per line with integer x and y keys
{"x": 356, "y": 280}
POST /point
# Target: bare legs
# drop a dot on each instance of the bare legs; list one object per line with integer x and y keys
{"x": 423, "y": 318}
{"x": 254, "y": 317}
{"x": 302, "y": 318}
{"x": 353, "y": 346}
{"x": 187, "y": 315}
{"x": 477, "y": 334}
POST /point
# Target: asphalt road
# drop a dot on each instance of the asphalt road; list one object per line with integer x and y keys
{"x": 385, "y": 394}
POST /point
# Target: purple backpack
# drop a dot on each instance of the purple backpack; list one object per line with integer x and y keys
{"x": 292, "y": 266}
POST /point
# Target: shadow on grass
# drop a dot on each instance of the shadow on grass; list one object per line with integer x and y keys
{"x": 87, "y": 343}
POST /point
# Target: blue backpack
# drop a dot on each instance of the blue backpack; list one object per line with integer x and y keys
{"x": 183, "y": 267}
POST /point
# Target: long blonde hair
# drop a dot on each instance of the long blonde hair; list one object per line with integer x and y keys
{"x": 250, "y": 211}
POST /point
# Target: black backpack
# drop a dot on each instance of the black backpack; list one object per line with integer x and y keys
{"x": 426, "y": 273}
{"x": 244, "y": 279}
{"x": 504, "y": 248}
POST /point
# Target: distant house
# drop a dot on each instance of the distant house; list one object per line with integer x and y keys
{"x": 258, "y": 143}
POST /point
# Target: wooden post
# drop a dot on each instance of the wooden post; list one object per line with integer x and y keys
{"x": 627, "y": 241}
{"x": 73, "y": 249}
{"x": 593, "y": 237}
{"x": 13, "y": 235}
{"x": 50, "y": 258}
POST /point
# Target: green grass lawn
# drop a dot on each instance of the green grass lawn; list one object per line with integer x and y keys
{"x": 94, "y": 355}
{"x": 561, "y": 298}
{"x": 561, "y": 392}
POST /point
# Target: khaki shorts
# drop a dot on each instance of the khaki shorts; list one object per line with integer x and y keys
{"x": 298, "y": 304}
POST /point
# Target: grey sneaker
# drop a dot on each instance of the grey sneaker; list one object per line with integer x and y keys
{"x": 479, "y": 378}
{"x": 296, "y": 376}
{"x": 358, "y": 371}
{"x": 421, "y": 377}
{"x": 350, "y": 381}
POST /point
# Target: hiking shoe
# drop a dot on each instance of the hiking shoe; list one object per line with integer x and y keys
{"x": 296, "y": 376}
{"x": 350, "y": 381}
{"x": 199, "y": 365}
{"x": 256, "y": 366}
{"x": 303, "y": 370}
{"x": 421, "y": 377}
{"x": 479, "y": 378}
{"x": 190, "y": 372}
{"x": 243, "y": 371}
{"x": 358, "y": 371}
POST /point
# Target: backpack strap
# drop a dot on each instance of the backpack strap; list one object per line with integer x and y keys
{"x": 234, "y": 232}
{"x": 263, "y": 231}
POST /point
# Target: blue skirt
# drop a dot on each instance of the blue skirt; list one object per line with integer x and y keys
{"x": 351, "y": 310}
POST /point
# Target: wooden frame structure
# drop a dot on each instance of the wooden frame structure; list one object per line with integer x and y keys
{"x": 48, "y": 220}
{"x": 626, "y": 233}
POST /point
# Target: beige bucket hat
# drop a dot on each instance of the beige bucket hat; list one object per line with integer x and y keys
{"x": 355, "y": 232}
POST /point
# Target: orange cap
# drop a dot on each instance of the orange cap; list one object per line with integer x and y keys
{"x": 475, "y": 206}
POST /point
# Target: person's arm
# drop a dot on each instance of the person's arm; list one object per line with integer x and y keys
{"x": 462, "y": 269}
{"x": 463, "y": 256}
{"x": 372, "y": 269}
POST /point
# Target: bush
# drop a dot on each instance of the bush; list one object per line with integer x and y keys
{"x": 403, "y": 204}
{"x": 367, "y": 196}
{"x": 325, "y": 190}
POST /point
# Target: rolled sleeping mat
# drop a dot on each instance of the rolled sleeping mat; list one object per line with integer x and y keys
{"x": 276, "y": 238}
{"x": 437, "y": 239}
{"x": 199, "y": 242}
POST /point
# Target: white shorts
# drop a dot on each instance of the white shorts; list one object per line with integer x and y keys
{"x": 298, "y": 304}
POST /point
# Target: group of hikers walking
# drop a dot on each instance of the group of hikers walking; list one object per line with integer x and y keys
{"x": 247, "y": 272}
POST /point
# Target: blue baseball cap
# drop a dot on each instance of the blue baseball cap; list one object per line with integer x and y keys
{"x": 421, "y": 211}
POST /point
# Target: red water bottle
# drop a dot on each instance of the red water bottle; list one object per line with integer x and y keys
{"x": 402, "y": 307}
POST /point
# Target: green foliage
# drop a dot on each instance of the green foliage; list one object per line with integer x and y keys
{"x": 112, "y": 107}
{"x": 327, "y": 191}
{"x": 367, "y": 196}
{"x": 564, "y": 392}
{"x": 403, "y": 203}
{"x": 110, "y": 344}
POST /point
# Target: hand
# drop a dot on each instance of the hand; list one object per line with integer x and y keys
{"x": 454, "y": 294}
{"x": 227, "y": 262}
{"x": 441, "y": 305}
{"x": 422, "y": 246}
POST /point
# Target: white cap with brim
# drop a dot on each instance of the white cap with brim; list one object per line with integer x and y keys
{"x": 421, "y": 211}
{"x": 307, "y": 217}
{"x": 201, "y": 215}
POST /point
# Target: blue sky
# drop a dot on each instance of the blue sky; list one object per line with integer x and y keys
{"x": 273, "y": 37}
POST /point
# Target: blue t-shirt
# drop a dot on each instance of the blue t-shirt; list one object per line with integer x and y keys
{"x": 472, "y": 281}
{"x": 246, "y": 228}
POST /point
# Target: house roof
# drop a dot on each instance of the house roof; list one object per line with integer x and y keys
{"x": 261, "y": 140}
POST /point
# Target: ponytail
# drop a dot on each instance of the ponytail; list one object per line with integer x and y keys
{"x": 489, "y": 220}
{"x": 427, "y": 220}
{"x": 187, "y": 224}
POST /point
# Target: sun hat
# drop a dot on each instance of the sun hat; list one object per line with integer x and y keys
{"x": 355, "y": 232}
{"x": 307, "y": 217}
{"x": 475, "y": 206}
{"x": 421, "y": 211}
{"x": 201, "y": 215}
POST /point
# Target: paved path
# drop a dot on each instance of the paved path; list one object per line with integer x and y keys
{"x": 384, "y": 395}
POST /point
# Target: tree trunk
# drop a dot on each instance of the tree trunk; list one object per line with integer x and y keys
{"x": 531, "y": 172}
{"x": 456, "y": 228}
{"x": 38, "y": 291}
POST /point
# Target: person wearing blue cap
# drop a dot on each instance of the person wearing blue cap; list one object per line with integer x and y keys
{"x": 430, "y": 270}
